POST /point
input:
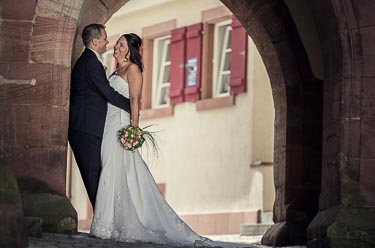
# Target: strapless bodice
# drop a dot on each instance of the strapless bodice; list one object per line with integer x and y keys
{"x": 120, "y": 85}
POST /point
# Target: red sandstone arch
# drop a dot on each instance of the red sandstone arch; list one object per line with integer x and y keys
{"x": 297, "y": 96}
{"x": 38, "y": 40}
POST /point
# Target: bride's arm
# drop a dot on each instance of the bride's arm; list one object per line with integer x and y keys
{"x": 135, "y": 80}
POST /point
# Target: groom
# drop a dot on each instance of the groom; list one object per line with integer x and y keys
{"x": 89, "y": 94}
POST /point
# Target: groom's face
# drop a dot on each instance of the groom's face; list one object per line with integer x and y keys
{"x": 101, "y": 43}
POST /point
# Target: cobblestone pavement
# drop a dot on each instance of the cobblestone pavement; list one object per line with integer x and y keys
{"x": 83, "y": 240}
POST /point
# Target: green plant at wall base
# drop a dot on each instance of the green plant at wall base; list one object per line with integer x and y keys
{"x": 56, "y": 211}
{"x": 354, "y": 225}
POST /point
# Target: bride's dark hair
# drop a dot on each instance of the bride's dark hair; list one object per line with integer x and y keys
{"x": 134, "y": 44}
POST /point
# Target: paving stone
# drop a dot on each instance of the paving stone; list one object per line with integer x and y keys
{"x": 83, "y": 240}
{"x": 34, "y": 226}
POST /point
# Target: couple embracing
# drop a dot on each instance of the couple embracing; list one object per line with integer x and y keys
{"x": 127, "y": 203}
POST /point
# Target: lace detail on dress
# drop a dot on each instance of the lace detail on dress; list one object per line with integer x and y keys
{"x": 118, "y": 201}
{"x": 123, "y": 233}
{"x": 101, "y": 231}
{"x": 120, "y": 85}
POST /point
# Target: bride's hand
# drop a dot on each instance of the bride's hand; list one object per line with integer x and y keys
{"x": 134, "y": 123}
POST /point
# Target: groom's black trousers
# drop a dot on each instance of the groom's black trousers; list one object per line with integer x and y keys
{"x": 87, "y": 149}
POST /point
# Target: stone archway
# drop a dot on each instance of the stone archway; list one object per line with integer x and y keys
{"x": 298, "y": 100}
{"x": 37, "y": 43}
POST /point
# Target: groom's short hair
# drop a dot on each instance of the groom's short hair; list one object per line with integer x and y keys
{"x": 90, "y": 32}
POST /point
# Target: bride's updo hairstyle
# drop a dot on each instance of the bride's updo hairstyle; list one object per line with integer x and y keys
{"x": 134, "y": 44}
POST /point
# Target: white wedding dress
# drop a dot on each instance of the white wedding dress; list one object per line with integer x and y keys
{"x": 129, "y": 206}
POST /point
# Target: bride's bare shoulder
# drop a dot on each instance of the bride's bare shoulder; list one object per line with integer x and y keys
{"x": 134, "y": 70}
{"x": 133, "y": 73}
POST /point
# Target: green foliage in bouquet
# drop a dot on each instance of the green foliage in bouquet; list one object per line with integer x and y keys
{"x": 132, "y": 138}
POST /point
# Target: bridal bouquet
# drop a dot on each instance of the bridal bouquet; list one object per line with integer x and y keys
{"x": 131, "y": 138}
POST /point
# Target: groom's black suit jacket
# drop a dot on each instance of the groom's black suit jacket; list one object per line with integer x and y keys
{"x": 89, "y": 94}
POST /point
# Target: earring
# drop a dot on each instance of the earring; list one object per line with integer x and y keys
{"x": 127, "y": 57}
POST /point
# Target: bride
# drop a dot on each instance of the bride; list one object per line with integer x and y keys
{"x": 129, "y": 206}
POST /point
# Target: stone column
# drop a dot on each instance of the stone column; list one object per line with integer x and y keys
{"x": 298, "y": 114}
{"x": 37, "y": 39}
{"x": 347, "y": 203}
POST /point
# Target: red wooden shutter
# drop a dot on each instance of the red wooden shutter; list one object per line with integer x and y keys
{"x": 177, "y": 72}
{"x": 193, "y": 62}
{"x": 238, "y": 66}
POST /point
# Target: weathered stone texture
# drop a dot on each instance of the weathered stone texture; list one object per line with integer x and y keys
{"x": 18, "y": 10}
{"x": 347, "y": 136}
{"x": 323, "y": 220}
{"x": 114, "y": 4}
{"x": 367, "y": 135}
{"x": 352, "y": 136}
{"x": 4, "y": 71}
{"x": 12, "y": 229}
{"x": 60, "y": 91}
{"x": 364, "y": 12}
{"x": 368, "y": 52}
{"x": 367, "y": 187}
{"x": 39, "y": 124}
{"x": 42, "y": 202}
{"x": 28, "y": 94}
{"x": 353, "y": 169}
{"x": 52, "y": 40}
{"x": 56, "y": 211}
{"x": 59, "y": 9}
{"x": 14, "y": 42}
{"x": 34, "y": 137}
{"x": 34, "y": 226}
{"x": 368, "y": 96}
{"x": 45, "y": 165}
{"x": 353, "y": 227}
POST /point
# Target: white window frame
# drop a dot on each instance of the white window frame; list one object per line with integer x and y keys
{"x": 220, "y": 52}
{"x": 159, "y": 67}
{"x": 109, "y": 62}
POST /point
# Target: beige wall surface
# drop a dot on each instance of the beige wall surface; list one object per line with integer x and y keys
{"x": 205, "y": 156}
{"x": 186, "y": 13}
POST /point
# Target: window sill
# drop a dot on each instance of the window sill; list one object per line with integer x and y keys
{"x": 146, "y": 114}
{"x": 258, "y": 164}
{"x": 215, "y": 103}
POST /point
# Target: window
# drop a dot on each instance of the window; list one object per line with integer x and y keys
{"x": 156, "y": 75}
{"x": 222, "y": 58}
{"x": 161, "y": 72}
{"x": 109, "y": 62}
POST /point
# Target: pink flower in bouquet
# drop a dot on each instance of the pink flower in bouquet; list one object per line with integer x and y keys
{"x": 131, "y": 138}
